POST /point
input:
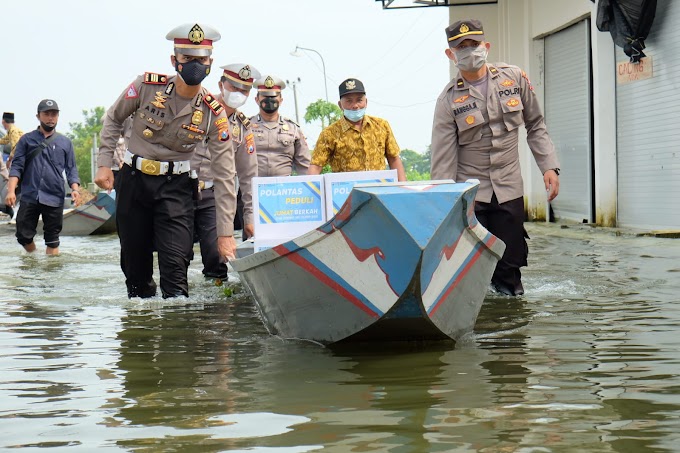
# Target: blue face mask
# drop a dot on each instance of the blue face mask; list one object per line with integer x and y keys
{"x": 354, "y": 115}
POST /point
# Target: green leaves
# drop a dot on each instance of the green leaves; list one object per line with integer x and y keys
{"x": 326, "y": 112}
{"x": 82, "y": 135}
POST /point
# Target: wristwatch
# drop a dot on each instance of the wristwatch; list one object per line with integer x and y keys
{"x": 556, "y": 170}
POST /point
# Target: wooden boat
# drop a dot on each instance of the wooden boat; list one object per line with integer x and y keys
{"x": 97, "y": 216}
{"x": 401, "y": 261}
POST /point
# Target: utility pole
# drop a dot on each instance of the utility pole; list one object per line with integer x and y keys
{"x": 294, "y": 85}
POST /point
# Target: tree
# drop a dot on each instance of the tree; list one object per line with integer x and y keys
{"x": 322, "y": 110}
{"x": 416, "y": 165}
{"x": 82, "y": 135}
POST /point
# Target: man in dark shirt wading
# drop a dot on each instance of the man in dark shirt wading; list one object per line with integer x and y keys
{"x": 41, "y": 158}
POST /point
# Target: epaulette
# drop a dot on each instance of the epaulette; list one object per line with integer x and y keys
{"x": 243, "y": 119}
{"x": 288, "y": 119}
{"x": 213, "y": 103}
{"x": 155, "y": 79}
{"x": 493, "y": 70}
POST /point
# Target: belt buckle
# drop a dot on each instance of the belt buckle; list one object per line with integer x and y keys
{"x": 151, "y": 167}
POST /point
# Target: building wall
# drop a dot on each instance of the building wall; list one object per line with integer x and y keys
{"x": 515, "y": 29}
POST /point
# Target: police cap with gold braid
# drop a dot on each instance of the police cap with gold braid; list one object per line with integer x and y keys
{"x": 194, "y": 39}
{"x": 269, "y": 85}
{"x": 240, "y": 75}
{"x": 459, "y": 31}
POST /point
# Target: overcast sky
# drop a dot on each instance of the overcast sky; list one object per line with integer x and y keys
{"x": 84, "y": 53}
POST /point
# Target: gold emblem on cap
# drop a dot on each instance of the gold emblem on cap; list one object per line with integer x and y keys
{"x": 269, "y": 82}
{"x": 197, "y": 117}
{"x": 350, "y": 85}
{"x": 244, "y": 73}
{"x": 196, "y": 34}
{"x": 464, "y": 28}
{"x": 160, "y": 99}
{"x": 148, "y": 133}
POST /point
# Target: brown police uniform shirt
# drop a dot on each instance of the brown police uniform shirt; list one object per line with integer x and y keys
{"x": 246, "y": 160}
{"x": 162, "y": 133}
{"x": 477, "y": 138}
{"x": 280, "y": 145}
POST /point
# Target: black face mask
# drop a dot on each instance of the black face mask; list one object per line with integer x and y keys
{"x": 269, "y": 105}
{"x": 192, "y": 72}
{"x": 47, "y": 128}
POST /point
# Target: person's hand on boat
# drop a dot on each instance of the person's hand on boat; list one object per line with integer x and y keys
{"x": 75, "y": 197}
{"x": 226, "y": 245}
{"x": 249, "y": 230}
{"x": 104, "y": 178}
{"x": 552, "y": 184}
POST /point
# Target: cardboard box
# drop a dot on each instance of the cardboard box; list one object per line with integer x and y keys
{"x": 339, "y": 185}
{"x": 288, "y": 206}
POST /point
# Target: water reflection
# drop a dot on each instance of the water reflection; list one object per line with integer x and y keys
{"x": 586, "y": 361}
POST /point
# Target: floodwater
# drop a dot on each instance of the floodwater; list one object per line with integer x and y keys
{"x": 586, "y": 361}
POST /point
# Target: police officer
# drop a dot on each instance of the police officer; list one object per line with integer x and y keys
{"x": 280, "y": 143}
{"x": 155, "y": 209}
{"x": 475, "y": 135}
{"x": 235, "y": 84}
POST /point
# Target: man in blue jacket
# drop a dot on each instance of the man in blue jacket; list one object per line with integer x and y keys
{"x": 41, "y": 158}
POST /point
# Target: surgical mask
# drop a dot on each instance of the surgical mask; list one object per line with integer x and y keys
{"x": 192, "y": 72}
{"x": 471, "y": 59}
{"x": 354, "y": 115}
{"x": 234, "y": 99}
{"x": 46, "y": 127}
{"x": 269, "y": 104}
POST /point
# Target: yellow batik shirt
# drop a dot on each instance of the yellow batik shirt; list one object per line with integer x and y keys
{"x": 345, "y": 148}
{"x": 12, "y": 138}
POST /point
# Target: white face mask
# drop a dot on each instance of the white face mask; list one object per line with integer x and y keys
{"x": 470, "y": 59}
{"x": 234, "y": 99}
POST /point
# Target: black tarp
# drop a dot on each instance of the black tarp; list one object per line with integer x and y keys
{"x": 629, "y": 22}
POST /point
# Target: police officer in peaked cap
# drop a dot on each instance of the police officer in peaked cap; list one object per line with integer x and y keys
{"x": 234, "y": 87}
{"x": 281, "y": 144}
{"x": 475, "y": 135}
{"x": 155, "y": 189}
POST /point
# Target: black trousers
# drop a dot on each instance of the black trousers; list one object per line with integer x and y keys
{"x": 506, "y": 221}
{"x": 27, "y": 223}
{"x": 205, "y": 233}
{"x": 238, "y": 217}
{"x": 154, "y": 213}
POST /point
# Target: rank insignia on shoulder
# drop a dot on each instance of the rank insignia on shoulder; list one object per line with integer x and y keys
{"x": 291, "y": 121}
{"x": 493, "y": 70}
{"x": 155, "y": 79}
{"x": 213, "y": 103}
{"x": 243, "y": 119}
{"x": 131, "y": 92}
{"x": 169, "y": 88}
{"x": 460, "y": 83}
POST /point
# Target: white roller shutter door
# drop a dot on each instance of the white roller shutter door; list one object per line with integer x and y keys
{"x": 648, "y": 131}
{"x": 569, "y": 118}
